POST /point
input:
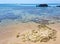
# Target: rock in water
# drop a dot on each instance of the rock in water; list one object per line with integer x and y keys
{"x": 43, "y": 34}
{"x": 42, "y": 5}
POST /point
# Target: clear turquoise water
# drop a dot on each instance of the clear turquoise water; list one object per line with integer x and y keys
{"x": 28, "y": 13}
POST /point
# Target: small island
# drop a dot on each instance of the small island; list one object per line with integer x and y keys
{"x": 42, "y": 5}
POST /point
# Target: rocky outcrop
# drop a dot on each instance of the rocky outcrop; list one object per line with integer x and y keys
{"x": 42, "y": 5}
{"x": 57, "y": 6}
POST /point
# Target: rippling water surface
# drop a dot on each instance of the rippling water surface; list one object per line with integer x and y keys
{"x": 19, "y": 13}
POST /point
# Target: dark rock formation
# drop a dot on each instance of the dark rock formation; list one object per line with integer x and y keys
{"x": 42, "y": 5}
{"x": 57, "y": 6}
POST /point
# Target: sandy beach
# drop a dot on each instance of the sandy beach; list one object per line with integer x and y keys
{"x": 8, "y": 33}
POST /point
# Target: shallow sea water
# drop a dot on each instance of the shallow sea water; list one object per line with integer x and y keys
{"x": 16, "y": 19}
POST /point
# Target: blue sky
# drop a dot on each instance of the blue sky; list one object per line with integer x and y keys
{"x": 29, "y": 1}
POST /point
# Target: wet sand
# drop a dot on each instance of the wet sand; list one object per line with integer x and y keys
{"x": 9, "y": 32}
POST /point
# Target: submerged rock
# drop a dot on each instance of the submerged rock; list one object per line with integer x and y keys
{"x": 42, "y": 34}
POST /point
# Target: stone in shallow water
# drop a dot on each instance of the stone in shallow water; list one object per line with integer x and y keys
{"x": 43, "y": 34}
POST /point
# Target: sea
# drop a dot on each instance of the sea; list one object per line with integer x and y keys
{"x": 28, "y": 13}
